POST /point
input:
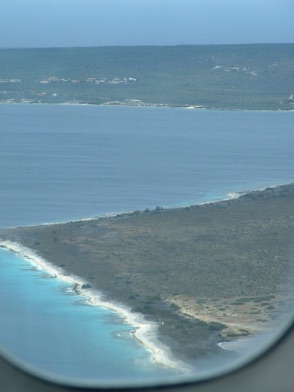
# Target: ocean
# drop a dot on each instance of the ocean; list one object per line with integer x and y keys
{"x": 63, "y": 162}
{"x": 60, "y": 163}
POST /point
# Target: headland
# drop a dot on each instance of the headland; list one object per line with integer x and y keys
{"x": 197, "y": 275}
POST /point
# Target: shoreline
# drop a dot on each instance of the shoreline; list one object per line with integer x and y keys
{"x": 151, "y": 106}
{"x": 145, "y": 331}
{"x": 231, "y": 195}
{"x": 178, "y": 315}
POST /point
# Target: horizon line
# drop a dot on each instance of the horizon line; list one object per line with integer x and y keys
{"x": 141, "y": 45}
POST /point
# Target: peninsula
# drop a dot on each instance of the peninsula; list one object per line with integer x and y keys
{"x": 203, "y": 274}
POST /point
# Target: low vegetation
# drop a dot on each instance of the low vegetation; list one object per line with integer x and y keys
{"x": 194, "y": 271}
{"x": 258, "y": 76}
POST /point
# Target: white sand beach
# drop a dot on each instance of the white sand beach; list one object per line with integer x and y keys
{"x": 144, "y": 331}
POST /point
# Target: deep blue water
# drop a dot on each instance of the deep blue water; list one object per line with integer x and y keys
{"x": 60, "y": 163}
{"x": 67, "y": 162}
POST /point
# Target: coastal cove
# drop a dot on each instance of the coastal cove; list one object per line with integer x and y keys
{"x": 174, "y": 274}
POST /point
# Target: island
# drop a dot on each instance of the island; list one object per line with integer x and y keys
{"x": 203, "y": 274}
{"x": 225, "y": 77}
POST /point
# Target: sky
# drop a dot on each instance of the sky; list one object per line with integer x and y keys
{"x": 62, "y": 23}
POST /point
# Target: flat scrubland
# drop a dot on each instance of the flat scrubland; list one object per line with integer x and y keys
{"x": 246, "y": 77}
{"x": 204, "y": 273}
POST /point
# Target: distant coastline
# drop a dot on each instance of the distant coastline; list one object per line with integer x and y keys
{"x": 154, "y": 106}
{"x": 217, "y": 77}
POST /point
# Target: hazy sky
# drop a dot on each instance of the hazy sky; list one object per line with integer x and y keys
{"x": 54, "y": 23}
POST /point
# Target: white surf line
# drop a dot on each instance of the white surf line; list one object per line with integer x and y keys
{"x": 145, "y": 332}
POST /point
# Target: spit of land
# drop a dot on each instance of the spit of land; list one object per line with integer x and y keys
{"x": 203, "y": 274}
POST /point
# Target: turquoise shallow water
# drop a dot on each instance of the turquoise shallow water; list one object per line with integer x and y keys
{"x": 48, "y": 326}
{"x": 60, "y": 163}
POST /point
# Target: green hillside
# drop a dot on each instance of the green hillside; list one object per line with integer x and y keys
{"x": 258, "y": 76}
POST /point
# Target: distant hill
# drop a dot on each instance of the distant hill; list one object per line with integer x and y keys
{"x": 257, "y": 76}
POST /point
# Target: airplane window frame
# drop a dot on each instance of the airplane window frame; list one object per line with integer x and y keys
{"x": 268, "y": 370}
